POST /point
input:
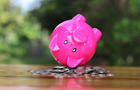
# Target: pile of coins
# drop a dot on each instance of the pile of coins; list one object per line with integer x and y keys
{"x": 62, "y": 72}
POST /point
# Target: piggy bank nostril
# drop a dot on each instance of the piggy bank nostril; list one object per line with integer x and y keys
{"x": 74, "y": 50}
{"x": 66, "y": 41}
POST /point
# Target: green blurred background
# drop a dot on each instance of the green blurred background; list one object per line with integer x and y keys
{"x": 26, "y": 26}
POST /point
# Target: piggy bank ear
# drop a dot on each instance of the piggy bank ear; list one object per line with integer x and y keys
{"x": 80, "y": 36}
{"x": 53, "y": 44}
{"x": 97, "y": 33}
{"x": 79, "y": 17}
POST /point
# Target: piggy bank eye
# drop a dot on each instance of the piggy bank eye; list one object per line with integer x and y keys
{"x": 66, "y": 41}
{"x": 74, "y": 50}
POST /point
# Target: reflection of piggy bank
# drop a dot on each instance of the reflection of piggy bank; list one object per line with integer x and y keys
{"x": 74, "y": 42}
{"x": 72, "y": 83}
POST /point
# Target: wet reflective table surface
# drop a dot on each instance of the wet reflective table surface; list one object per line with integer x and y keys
{"x": 17, "y": 77}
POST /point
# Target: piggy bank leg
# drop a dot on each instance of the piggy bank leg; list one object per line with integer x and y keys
{"x": 53, "y": 44}
{"x": 97, "y": 33}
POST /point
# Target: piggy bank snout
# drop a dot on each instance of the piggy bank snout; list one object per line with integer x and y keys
{"x": 72, "y": 62}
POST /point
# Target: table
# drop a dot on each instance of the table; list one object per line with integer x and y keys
{"x": 17, "y": 77}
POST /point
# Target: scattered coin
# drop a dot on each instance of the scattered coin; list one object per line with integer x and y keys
{"x": 62, "y": 71}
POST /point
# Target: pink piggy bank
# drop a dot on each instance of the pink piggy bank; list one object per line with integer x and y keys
{"x": 74, "y": 42}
